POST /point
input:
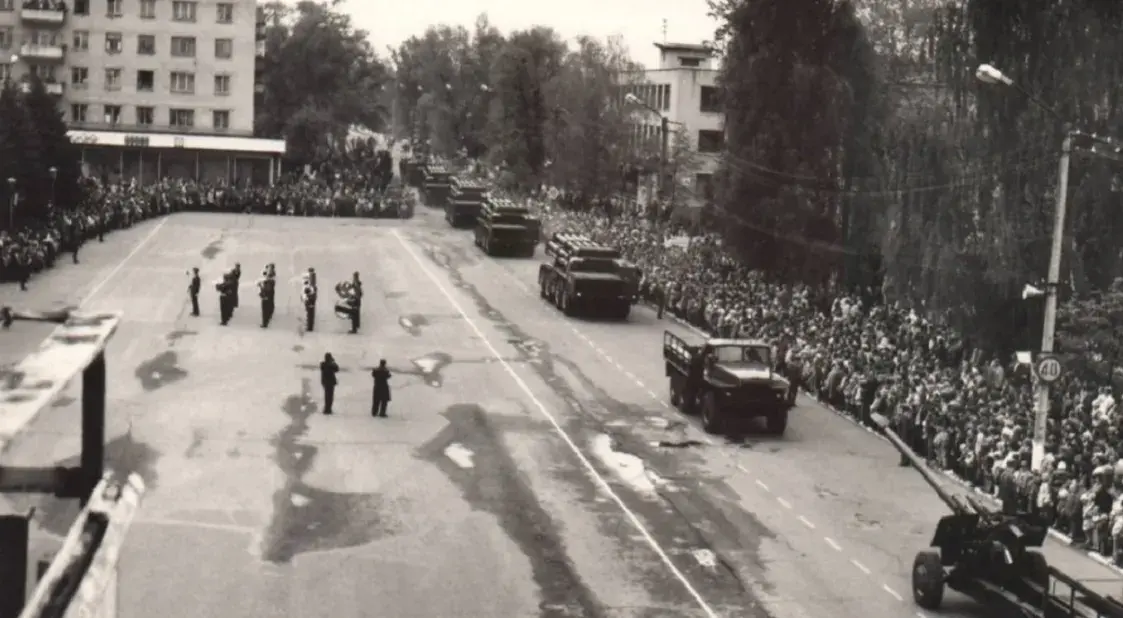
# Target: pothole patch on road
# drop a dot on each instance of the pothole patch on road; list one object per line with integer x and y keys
{"x": 626, "y": 467}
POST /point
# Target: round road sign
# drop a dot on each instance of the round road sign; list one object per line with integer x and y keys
{"x": 1048, "y": 368}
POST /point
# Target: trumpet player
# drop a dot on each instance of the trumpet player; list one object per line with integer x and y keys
{"x": 308, "y": 297}
{"x": 226, "y": 287}
{"x": 237, "y": 274}
{"x": 350, "y": 302}
{"x": 267, "y": 289}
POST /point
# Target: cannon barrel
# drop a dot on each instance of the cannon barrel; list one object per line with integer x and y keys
{"x": 958, "y": 506}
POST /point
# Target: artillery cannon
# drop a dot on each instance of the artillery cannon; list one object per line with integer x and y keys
{"x": 991, "y": 557}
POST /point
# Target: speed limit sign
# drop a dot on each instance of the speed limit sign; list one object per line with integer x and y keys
{"x": 1048, "y": 368}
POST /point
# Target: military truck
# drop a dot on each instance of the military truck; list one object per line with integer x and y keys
{"x": 563, "y": 242}
{"x": 728, "y": 381}
{"x": 584, "y": 278}
{"x": 437, "y": 185}
{"x": 505, "y": 226}
{"x": 465, "y": 201}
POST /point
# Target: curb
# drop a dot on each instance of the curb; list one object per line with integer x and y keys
{"x": 947, "y": 474}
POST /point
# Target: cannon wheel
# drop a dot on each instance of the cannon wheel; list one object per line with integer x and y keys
{"x": 928, "y": 580}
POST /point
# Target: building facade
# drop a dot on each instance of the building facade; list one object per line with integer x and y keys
{"x": 150, "y": 88}
{"x": 683, "y": 89}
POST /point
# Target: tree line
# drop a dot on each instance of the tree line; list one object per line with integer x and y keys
{"x": 40, "y": 168}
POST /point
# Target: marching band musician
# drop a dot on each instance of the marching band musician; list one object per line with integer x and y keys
{"x": 237, "y": 273}
{"x": 349, "y": 303}
{"x": 308, "y": 297}
{"x": 226, "y": 288}
{"x": 267, "y": 289}
{"x": 193, "y": 289}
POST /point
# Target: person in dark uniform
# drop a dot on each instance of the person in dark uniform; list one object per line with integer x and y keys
{"x": 75, "y": 239}
{"x": 237, "y": 273}
{"x": 23, "y": 267}
{"x": 193, "y": 289}
{"x": 225, "y": 290}
{"x": 381, "y": 397}
{"x": 357, "y": 302}
{"x": 308, "y": 296}
{"x": 267, "y": 289}
{"x": 328, "y": 369}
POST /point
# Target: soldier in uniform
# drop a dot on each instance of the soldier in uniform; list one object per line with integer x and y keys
{"x": 308, "y": 297}
{"x": 193, "y": 289}
{"x": 267, "y": 289}
{"x": 350, "y": 302}
{"x": 226, "y": 290}
{"x": 356, "y": 300}
{"x": 237, "y": 274}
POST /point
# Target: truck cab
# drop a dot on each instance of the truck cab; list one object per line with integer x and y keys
{"x": 436, "y": 185}
{"x": 465, "y": 201}
{"x": 583, "y": 277}
{"x": 506, "y": 226}
{"x": 728, "y": 382}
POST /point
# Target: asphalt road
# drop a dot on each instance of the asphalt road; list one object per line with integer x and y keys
{"x": 529, "y": 467}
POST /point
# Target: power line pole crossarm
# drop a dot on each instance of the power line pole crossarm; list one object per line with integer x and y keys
{"x": 1042, "y": 399}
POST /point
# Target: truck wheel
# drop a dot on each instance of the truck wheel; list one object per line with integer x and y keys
{"x": 623, "y": 311}
{"x": 542, "y": 287}
{"x": 711, "y": 415}
{"x": 676, "y": 397}
{"x": 530, "y": 250}
{"x": 777, "y": 422}
{"x": 567, "y": 304}
{"x": 928, "y": 580}
{"x": 487, "y": 246}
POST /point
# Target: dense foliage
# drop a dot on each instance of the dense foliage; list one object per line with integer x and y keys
{"x": 320, "y": 77}
{"x": 33, "y": 141}
{"x": 541, "y": 110}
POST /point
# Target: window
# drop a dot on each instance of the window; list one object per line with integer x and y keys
{"x": 145, "y": 81}
{"x": 42, "y": 38}
{"x": 223, "y": 48}
{"x": 221, "y": 119}
{"x": 148, "y": 9}
{"x": 690, "y": 62}
{"x": 183, "y": 46}
{"x": 225, "y": 13}
{"x": 79, "y": 77}
{"x": 183, "y": 10}
{"x": 6, "y": 37}
{"x": 5, "y": 72}
{"x": 81, "y": 7}
{"x": 704, "y": 187}
{"x": 81, "y": 41}
{"x": 113, "y": 8}
{"x": 146, "y": 44}
{"x": 709, "y": 100}
{"x": 222, "y": 84}
{"x": 45, "y": 73}
{"x": 145, "y": 116}
{"x": 112, "y": 42}
{"x": 710, "y": 141}
{"x": 113, "y": 79}
{"x": 78, "y": 112}
{"x": 7, "y": 5}
{"x": 112, "y": 114}
{"x": 183, "y": 83}
{"x": 181, "y": 118}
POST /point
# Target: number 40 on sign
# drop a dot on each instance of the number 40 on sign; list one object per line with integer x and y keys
{"x": 1048, "y": 368}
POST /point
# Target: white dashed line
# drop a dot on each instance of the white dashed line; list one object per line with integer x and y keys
{"x": 831, "y": 542}
{"x": 891, "y": 592}
{"x": 861, "y": 567}
{"x": 761, "y": 484}
{"x": 784, "y": 503}
{"x": 806, "y": 522}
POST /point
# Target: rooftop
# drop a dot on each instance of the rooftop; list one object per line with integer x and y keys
{"x": 693, "y": 47}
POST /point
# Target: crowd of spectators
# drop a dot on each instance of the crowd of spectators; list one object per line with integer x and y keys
{"x": 969, "y": 413}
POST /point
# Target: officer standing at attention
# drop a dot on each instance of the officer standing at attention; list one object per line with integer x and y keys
{"x": 381, "y": 397}
{"x": 328, "y": 369}
{"x": 267, "y": 289}
{"x": 193, "y": 289}
{"x": 237, "y": 272}
{"x": 308, "y": 296}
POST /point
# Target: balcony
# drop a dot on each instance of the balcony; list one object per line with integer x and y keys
{"x": 53, "y": 88}
{"x": 35, "y": 13}
{"x": 141, "y": 129}
{"x": 39, "y": 51}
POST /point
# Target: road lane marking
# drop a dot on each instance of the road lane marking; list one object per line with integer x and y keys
{"x": 835, "y": 546}
{"x": 806, "y": 522}
{"x": 460, "y": 455}
{"x": 664, "y": 557}
{"x": 125, "y": 260}
{"x": 861, "y": 567}
{"x": 784, "y": 503}
{"x": 891, "y": 592}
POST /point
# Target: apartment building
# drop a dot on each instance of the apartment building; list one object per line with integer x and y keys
{"x": 683, "y": 90}
{"x": 150, "y": 88}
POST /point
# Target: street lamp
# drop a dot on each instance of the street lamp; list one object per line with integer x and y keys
{"x": 664, "y": 139}
{"x": 54, "y": 177}
{"x": 990, "y": 75}
{"x": 11, "y": 204}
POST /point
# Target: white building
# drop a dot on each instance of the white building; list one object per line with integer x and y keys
{"x": 683, "y": 89}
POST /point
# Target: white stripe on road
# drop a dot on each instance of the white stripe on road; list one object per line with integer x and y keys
{"x": 125, "y": 260}
{"x": 460, "y": 455}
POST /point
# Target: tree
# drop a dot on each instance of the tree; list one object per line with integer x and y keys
{"x": 1090, "y": 333}
{"x": 788, "y": 153}
{"x": 317, "y": 65}
{"x": 55, "y": 151}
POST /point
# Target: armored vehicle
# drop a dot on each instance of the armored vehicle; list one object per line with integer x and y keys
{"x": 727, "y": 381}
{"x": 584, "y": 278}
{"x": 465, "y": 201}
{"x": 436, "y": 186}
{"x": 993, "y": 558}
{"x": 506, "y": 226}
